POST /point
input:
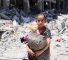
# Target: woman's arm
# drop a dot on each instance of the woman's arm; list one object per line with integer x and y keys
{"x": 37, "y": 53}
{"x": 30, "y": 51}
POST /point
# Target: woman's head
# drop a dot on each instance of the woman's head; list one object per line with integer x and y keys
{"x": 41, "y": 20}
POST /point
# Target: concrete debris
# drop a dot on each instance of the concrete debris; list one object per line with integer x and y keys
{"x": 4, "y": 16}
{"x": 19, "y": 25}
{"x": 10, "y": 42}
{"x": 5, "y": 25}
{"x": 15, "y": 14}
{"x": 59, "y": 32}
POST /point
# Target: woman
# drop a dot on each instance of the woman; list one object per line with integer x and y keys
{"x": 42, "y": 54}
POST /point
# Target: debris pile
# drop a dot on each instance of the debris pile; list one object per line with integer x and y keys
{"x": 12, "y": 13}
{"x": 59, "y": 44}
{"x": 17, "y": 25}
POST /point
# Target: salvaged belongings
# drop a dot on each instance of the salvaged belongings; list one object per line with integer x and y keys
{"x": 36, "y": 41}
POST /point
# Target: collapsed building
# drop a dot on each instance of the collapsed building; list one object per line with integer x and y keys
{"x": 36, "y": 5}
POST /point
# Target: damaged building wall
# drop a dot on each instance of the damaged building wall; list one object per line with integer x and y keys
{"x": 21, "y": 4}
{"x": 4, "y": 3}
{"x": 40, "y": 5}
{"x": 26, "y": 5}
{"x": 0, "y": 3}
{"x": 60, "y": 4}
{"x": 34, "y": 6}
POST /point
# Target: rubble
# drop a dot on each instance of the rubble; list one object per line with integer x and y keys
{"x": 59, "y": 38}
{"x": 10, "y": 42}
{"x": 12, "y": 13}
{"x": 5, "y": 25}
{"x": 4, "y": 16}
{"x": 18, "y": 25}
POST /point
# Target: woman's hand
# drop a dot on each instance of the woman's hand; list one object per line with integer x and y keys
{"x": 30, "y": 51}
{"x": 37, "y": 53}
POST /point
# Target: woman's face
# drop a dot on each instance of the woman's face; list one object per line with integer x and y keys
{"x": 40, "y": 21}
